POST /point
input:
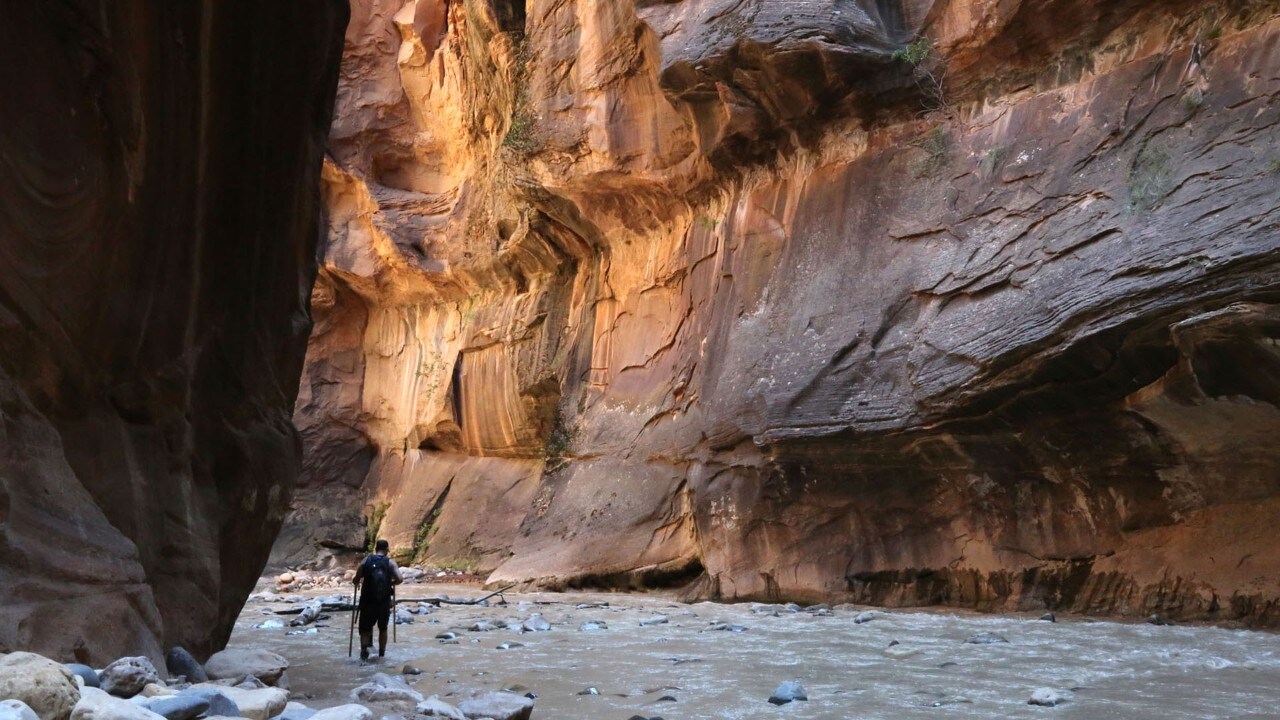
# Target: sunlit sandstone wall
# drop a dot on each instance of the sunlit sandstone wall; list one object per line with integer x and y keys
{"x": 728, "y": 293}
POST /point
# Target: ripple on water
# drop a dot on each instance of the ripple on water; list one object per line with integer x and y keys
{"x": 850, "y": 670}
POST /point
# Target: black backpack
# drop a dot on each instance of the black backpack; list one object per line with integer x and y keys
{"x": 377, "y": 579}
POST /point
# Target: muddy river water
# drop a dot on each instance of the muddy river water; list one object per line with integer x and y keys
{"x": 849, "y": 669}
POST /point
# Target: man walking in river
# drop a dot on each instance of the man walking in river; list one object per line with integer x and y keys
{"x": 375, "y": 581}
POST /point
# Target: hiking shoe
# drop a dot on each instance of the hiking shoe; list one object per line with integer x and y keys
{"x": 364, "y": 654}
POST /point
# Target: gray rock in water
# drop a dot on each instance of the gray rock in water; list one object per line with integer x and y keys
{"x": 1048, "y": 697}
{"x": 410, "y": 670}
{"x": 127, "y": 676}
{"x": 593, "y": 626}
{"x": 655, "y": 620}
{"x": 1048, "y": 617}
{"x": 16, "y": 710}
{"x": 219, "y": 704}
{"x": 865, "y": 617}
{"x": 510, "y": 645}
{"x": 788, "y": 691}
{"x": 1158, "y": 619}
{"x": 485, "y": 626}
{"x": 447, "y": 636}
{"x": 86, "y": 673}
{"x": 986, "y": 638}
{"x": 497, "y": 705}
{"x": 589, "y": 691}
{"x": 536, "y": 623}
{"x": 179, "y": 662}
{"x": 178, "y": 707}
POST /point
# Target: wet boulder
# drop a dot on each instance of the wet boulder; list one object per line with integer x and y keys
{"x": 787, "y": 692}
{"x": 45, "y": 686}
{"x": 296, "y": 711}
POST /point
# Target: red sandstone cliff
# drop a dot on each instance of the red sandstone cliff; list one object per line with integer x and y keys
{"x": 158, "y": 216}
{"x": 902, "y": 302}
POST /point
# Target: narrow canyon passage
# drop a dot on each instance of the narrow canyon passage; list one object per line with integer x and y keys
{"x": 937, "y": 307}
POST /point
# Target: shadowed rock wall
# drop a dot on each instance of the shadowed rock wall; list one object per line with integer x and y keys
{"x": 158, "y": 166}
{"x": 636, "y": 292}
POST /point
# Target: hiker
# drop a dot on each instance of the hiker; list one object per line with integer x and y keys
{"x": 375, "y": 580}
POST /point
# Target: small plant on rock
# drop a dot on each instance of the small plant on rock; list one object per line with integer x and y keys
{"x": 929, "y": 71}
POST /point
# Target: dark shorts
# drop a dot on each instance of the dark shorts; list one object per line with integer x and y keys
{"x": 374, "y": 614}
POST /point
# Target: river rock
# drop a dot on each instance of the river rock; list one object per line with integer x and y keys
{"x": 234, "y": 663}
{"x": 98, "y": 705}
{"x": 485, "y": 626}
{"x": 220, "y": 704}
{"x": 85, "y": 673}
{"x": 656, "y": 620}
{"x": 47, "y": 687}
{"x": 865, "y": 617}
{"x": 389, "y": 692}
{"x": 344, "y": 712}
{"x": 986, "y": 638}
{"x": 1158, "y": 619}
{"x": 536, "y": 623}
{"x": 435, "y": 707}
{"x": 593, "y": 626}
{"x": 497, "y": 705}
{"x": 179, "y": 662}
{"x": 16, "y": 710}
{"x": 127, "y": 676}
{"x": 259, "y": 704}
{"x": 1049, "y": 617}
{"x": 178, "y": 707}
{"x": 1048, "y": 697}
{"x": 788, "y": 691}
{"x": 403, "y": 616}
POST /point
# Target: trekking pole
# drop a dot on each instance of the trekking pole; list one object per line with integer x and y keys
{"x": 355, "y": 612}
{"x": 394, "y": 612}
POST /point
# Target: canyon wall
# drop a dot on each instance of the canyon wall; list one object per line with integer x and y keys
{"x": 898, "y": 302}
{"x": 159, "y": 214}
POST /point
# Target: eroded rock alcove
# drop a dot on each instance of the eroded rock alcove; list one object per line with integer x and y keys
{"x": 897, "y": 302}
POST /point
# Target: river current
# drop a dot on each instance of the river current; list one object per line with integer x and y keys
{"x": 685, "y": 668}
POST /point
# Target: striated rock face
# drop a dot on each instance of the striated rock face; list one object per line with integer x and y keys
{"x": 158, "y": 214}
{"x": 781, "y": 299}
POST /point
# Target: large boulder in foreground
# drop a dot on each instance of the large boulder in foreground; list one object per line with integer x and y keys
{"x": 48, "y": 688}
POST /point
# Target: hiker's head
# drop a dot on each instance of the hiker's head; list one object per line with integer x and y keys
{"x": 381, "y": 546}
